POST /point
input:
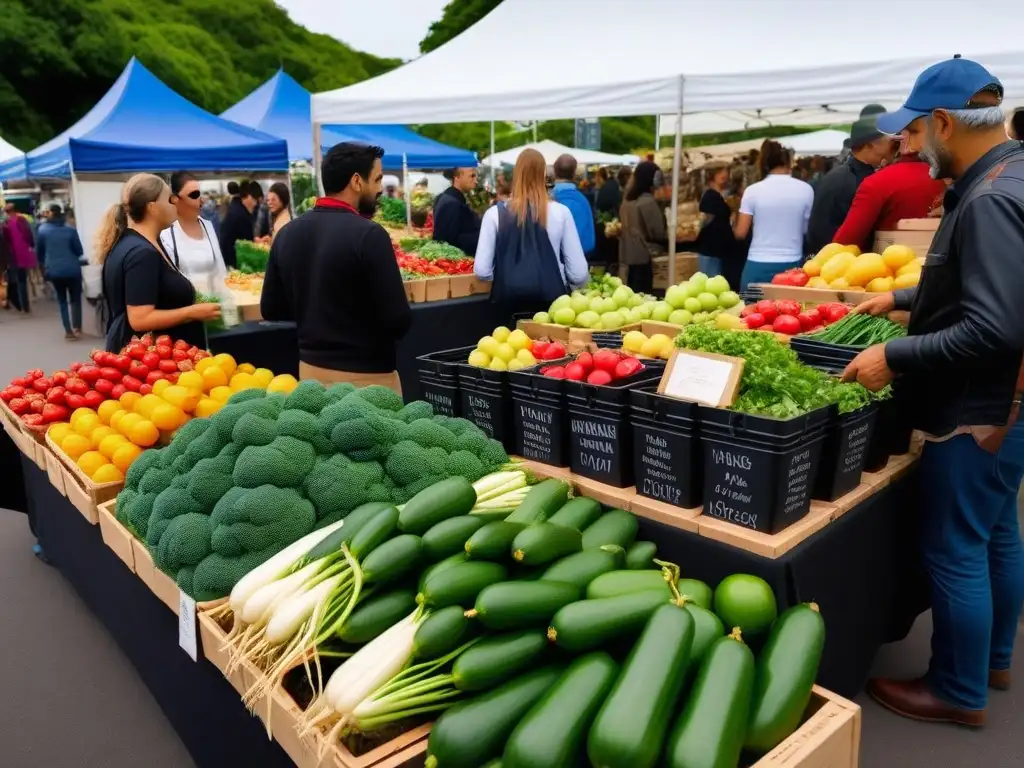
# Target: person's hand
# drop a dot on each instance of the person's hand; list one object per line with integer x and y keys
{"x": 204, "y": 312}
{"x": 882, "y": 304}
{"x": 870, "y": 369}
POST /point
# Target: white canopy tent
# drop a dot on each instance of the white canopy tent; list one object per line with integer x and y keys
{"x": 8, "y": 151}
{"x": 552, "y": 150}
{"x": 827, "y": 142}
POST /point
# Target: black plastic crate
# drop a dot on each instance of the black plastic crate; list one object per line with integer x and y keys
{"x": 668, "y": 461}
{"x": 486, "y": 400}
{"x": 891, "y": 436}
{"x": 810, "y": 350}
{"x": 540, "y": 419}
{"x": 726, "y": 422}
{"x": 438, "y": 373}
{"x": 607, "y": 339}
{"x": 844, "y": 453}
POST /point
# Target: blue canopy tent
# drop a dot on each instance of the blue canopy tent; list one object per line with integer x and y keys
{"x": 281, "y": 107}
{"x": 12, "y": 162}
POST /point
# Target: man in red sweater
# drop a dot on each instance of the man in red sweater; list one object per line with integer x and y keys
{"x": 903, "y": 190}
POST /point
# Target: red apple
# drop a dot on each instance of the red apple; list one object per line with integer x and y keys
{"x": 575, "y": 372}
{"x": 555, "y": 372}
{"x": 599, "y": 377}
{"x": 605, "y": 360}
{"x": 627, "y": 367}
{"x": 586, "y": 360}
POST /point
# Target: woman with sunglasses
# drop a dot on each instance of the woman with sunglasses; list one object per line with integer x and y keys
{"x": 191, "y": 241}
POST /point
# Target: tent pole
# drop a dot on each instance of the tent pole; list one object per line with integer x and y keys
{"x": 317, "y": 159}
{"x": 491, "y": 159}
{"x": 674, "y": 211}
{"x": 407, "y": 191}
{"x": 657, "y": 133}
{"x": 74, "y": 201}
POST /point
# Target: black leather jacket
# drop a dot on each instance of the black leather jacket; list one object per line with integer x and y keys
{"x": 959, "y": 365}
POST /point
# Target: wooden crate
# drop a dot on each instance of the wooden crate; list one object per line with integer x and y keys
{"x": 896, "y": 468}
{"x": 213, "y": 638}
{"x": 764, "y": 544}
{"x": 415, "y": 291}
{"x": 115, "y": 535}
{"x": 828, "y": 738}
{"x": 563, "y": 333}
{"x": 919, "y": 241}
{"x": 28, "y": 440}
{"x": 812, "y": 295}
{"x": 82, "y": 492}
{"x": 159, "y": 583}
{"x": 479, "y": 286}
{"x": 677, "y": 517}
{"x": 54, "y": 470}
{"x": 460, "y": 286}
{"x": 437, "y": 288}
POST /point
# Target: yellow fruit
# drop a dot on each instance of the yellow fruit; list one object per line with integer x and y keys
{"x": 127, "y": 422}
{"x": 227, "y": 362}
{"x": 242, "y": 381}
{"x": 129, "y": 399}
{"x": 207, "y": 407}
{"x": 497, "y": 364}
{"x": 633, "y": 341}
{"x": 97, "y": 435}
{"x": 516, "y": 364}
{"x": 812, "y": 268}
{"x": 144, "y": 433}
{"x": 205, "y": 364}
{"x": 664, "y": 341}
{"x": 866, "y": 268}
{"x": 58, "y": 432}
{"x": 828, "y": 252}
{"x": 221, "y": 394}
{"x": 283, "y": 382}
{"x": 213, "y": 377}
{"x": 906, "y": 280}
{"x": 86, "y": 423}
{"x": 181, "y": 397}
{"x": 74, "y": 445}
{"x": 115, "y": 419}
{"x": 125, "y": 455}
{"x": 488, "y": 344}
{"x": 880, "y": 285}
{"x": 650, "y": 348}
{"x": 148, "y": 404}
{"x": 90, "y": 461}
{"x": 107, "y": 409}
{"x": 108, "y": 473}
{"x": 727, "y": 322}
{"x": 518, "y": 340}
{"x": 501, "y": 334}
{"x": 191, "y": 380}
{"x": 244, "y": 368}
{"x": 836, "y": 266}
{"x": 109, "y": 445}
{"x": 79, "y": 413}
{"x": 839, "y": 284}
{"x": 479, "y": 359}
{"x": 167, "y": 417}
{"x": 505, "y": 352}
{"x": 817, "y": 282}
{"x": 896, "y": 256}
{"x": 262, "y": 377}
{"x": 161, "y": 384}
{"x": 526, "y": 357}
{"x": 913, "y": 266}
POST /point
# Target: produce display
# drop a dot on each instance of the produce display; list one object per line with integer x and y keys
{"x": 789, "y": 317}
{"x": 844, "y": 267}
{"x": 860, "y": 331}
{"x": 506, "y": 350}
{"x": 245, "y": 282}
{"x": 422, "y": 257}
{"x": 657, "y": 345}
{"x": 603, "y": 367}
{"x": 391, "y": 211}
{"x": 252, "y": 257}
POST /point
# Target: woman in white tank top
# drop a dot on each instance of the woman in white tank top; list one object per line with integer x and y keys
{"x": 190, "y": 241}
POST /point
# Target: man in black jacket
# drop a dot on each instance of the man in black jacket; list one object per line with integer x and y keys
{"x": 455, "y": 222}
{"x": 958, "y": 375}
{"x": 333, "y": 272}
{"x": 237, "y": 224}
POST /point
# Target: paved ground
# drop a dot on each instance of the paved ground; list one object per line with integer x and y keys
{"x": 73, "y": 701}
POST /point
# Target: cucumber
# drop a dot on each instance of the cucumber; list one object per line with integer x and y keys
{"x": 784, "y": 676}
{"x": 616, "y": 526}
{"x": 522, "y": 604}
{"x": 544, "y": 543}
{"x": 696, "y": 592}
{"x": 475, "y": 731}
{"x": 377, "y": 614}
{"x": 640, "y": 555}
{"x": 392, "y": 559}
{"x": 616, "y": 583}
{"x": 353, "y": 522}
{"x": 629, "y": 731}
{"x": 493, "y": 541}
{"x": 709, "y": 732}
{"x": 583, "y": 567}
{"x": 707, "y": 628}
{"x": 589, "y": 624}
{"x": 542, "y": 501}
{"x": 441, "y": 633}
{"x": 551, "y": 734}
{"x": 498, "y": 658}
{"x": 490, "y": 515}
{"x": 460, "y": 584}
{"x": 448, "y": 498}
{"x": 577, "y": 513}
{"x": 449, "y": 537}
{"x": 444, "y": 565}
{"x": 373, "y": 533}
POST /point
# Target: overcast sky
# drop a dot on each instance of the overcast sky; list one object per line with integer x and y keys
{"x": 383, "y": 27}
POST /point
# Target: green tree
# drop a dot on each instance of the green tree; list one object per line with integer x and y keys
{"x": 457, "y": 16}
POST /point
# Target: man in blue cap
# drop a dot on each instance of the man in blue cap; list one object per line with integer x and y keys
{"x": 959, "y": 375}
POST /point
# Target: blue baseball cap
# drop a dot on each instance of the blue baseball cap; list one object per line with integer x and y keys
{"x": 949, "y": 84}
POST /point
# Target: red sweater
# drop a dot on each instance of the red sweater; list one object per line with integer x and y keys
{"x": 903, "y": 190}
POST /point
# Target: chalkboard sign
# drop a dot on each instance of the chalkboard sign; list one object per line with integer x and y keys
{"x": 540, "y": 432}
{"x": 844, "y": 454}
{"x": 702, "y": 377}
{"x": 667, "y": 465}
{"x": 442, "y": 397}
{"x": 600, "y": 447}
{"x": 487, "y": 410}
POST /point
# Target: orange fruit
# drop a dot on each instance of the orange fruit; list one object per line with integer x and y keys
{"x": 160, "y": 385}
{"x": 58, "y": 432}
{"x": 125, "y": 455}
{"x": 74, "y": 445}
{"x": 144, "y": 433}
{"x": 181, "y": 397}
{"x": 213, "y": 376}
{"x": 97, "y": 435}
{"x": 108, "y": 473}
{"x": 204, "y": 364}
{"x": 110, "y": 444}
{"x": 262, "y": 377}
{"x": 221, "y": 394}
{"x": 86, "y": 423}
{"x": 146, "y": 405}
{"x": 107, "y": 409}
{"x": 227, "y": 362}
{"x": 115, "y": 419}
{"x": 129, "y": 399}
{"x": 245, "y": 368}
{"x": 207, "y": 407}
{"x": 242, "y": 381}
{"x": 79, "y": 412}
{"x": 90, "y": 461}
{"x": 283, "y": 382}
{"x": 191, "y": 380}
{"x": 126, "y": 422}
{"x": 167, "y": 417}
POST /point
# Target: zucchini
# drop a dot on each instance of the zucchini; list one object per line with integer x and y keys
{"x": 373, "y": 533}
{"x": 376, "y": 615}
{"x": 589, "y": 624}
{"x": 541, "y": 502}
{"x": 784, "y": 676}
{"x": 392, "y": 559}
{"x": 460, "y": 584}
{"x": 441, "y": 632}
{"x": 577, "y": 513}
{"x": 583, "y": 567}
{"x": 551, "y": 734}
{"x": 640, "y": 555}
{"x": 707, "y": 628}
{"x": 490, "y": 515}
{"x": 475, "y": 731}
{"x": 444, "y": 565}
{"x": 616, "y": 583}
{"x": 629, "y": 731}
{"x": 521, "y": 604}
{"x": 451, "y": 497}
{"x": 492, "y": 542}
{"x": 709, "y": 732}
{"x": 498, "y": 658}
{"x": 696, "y": 592}
{"x": 449, "y": 537}
{"x": 544, "y": 543}
{"x": 353, "y": 522}
{"x": 616, "y": 526}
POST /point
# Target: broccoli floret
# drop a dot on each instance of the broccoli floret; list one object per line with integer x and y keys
{"x": 457, "y": 425}
{"x": 185, "y": 579}
{"x": 215, "y": 577}
{"x": 304, "y": 426}
{"x": 136, "y": 512}
{"x": 336, "y": 392}
{"x": 183, "y": 438}
{"x": 251, "y": 429}
{"x": 225, "y": 419}
{"x": 169, "y": 504}
{"x": 429, "y": 434}
{"x": 372, "y": 433}
{"x": 182, "y": 465}
{"x": 337, "y": 412}
{"x": 384, "y": 398}
{"x": 465, "y": 464}
{"x": 209, "y": 480}
{"x": 340, "y": 485}
{"x": 309, "y": 396}
{"x": 155, "y": 480}
{"x": 124, "y": 498}
{"x": 145, "y": 461}
{"x": 247, "y": 394}
{"x": 472, "y": 441}
{"x": 222, "y": 509}
{"x": 284, "y": 463}
{"x": 403, "y": 494}
{"x": 230, "y": 451}
{"x": 493, "y": 455}
{"x": 409, "y": 461}
{"x": 186, "y": 541}
{"x": 417, "y": 409}
{"x": 206, "y": 446}
{"x": 263, "y": 517}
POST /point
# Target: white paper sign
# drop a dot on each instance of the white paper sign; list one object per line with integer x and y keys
{"x": 699, "y": 378}
{"x": 187, "y": 625}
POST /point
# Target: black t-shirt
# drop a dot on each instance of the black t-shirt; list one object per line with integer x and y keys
{"x": 716, "y": 237}
{"x": 136, "y": 274}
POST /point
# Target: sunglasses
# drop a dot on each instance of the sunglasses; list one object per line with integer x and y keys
{"x": 195, "y": 194}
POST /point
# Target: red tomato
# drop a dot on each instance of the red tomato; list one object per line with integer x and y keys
{"x": 36, "y": 406}
{"x": 122, "y": 363}
{"x": 202, "y": 353}
{"x": 172, "y": 377}
{"x": 138, "y": 370}
{"x": 12, "y": 392}
{"x": 786, "y": 324}
{"x": 78, "y": 386}
{"x": 33, "y": 419}
{"x": 130, "y": 383}
{"x": 93, "y": 399}
{"x": 605, "y": 360}
{"x": 42, "y": 384}
{"x": 586, "y": 360}
{"x": 788, "y": 307}
{"x": 24, "y": 382}
{"x": 59, "y": 378}
{"x": 112, "y": 374}
{"x": 163, "y": 340}
{"x": 56, "y": 395}
{"x": 117, "y": 391}
{"x": 154, "y": 376}
{"x": 168, "y": 366}
{"x": 806, "y": 321}
{"x": 151, "y": 360}
{"x": 74, "y": 401}
{"x": 599, "y": 377}
{"x": 75, "y": 367}
{"x": 749, "y": 309}
{"x": 627, "y": 367}
{"x": 181, "y": 344}
{"x": 89, "y": 373}
{"x": 755, "y": 320}
{"x": 52, "y": 412}
{"x": 539, "y": 349}
{"x": 815, "y": 315}
{"x": 147, "y": 340}
{"x": 135, "y": 350}
{"x": 185, "y": 365}
{"x": 35, "y": 373}
{"x": 575, "y": 372}
{"x": 146, "y": 389}
{"x": 163, "y": 350}
{"x": 18, "y": 406}
{"x": 103, "y": 386}
{"x": 192, "y": 352}
{"x": 555, "y": 351}
{"x": 555, "y": 372}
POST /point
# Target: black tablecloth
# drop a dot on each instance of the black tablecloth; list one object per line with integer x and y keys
{"x": 436, "y": 325}
{"x": 12, "y": 486}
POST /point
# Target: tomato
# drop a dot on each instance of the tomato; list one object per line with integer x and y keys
{"x": 151, "y": 360}
{"x": 168, "y": 366}
{"x": 788, "y": 307}
{"x": 575, "y": 372}
{"x": 117, "y": 391}
{"x": 605, "y": 360}
{"x": 93, "y": 399}
{"x": 185, "y": 365}
{"x": 154, "y": 376}
{"x": 135, "y": 350}
{"x": 555, "y": 351}
{"x": 201, "y": 354}
{"x": 786, "y": 324}
{"x": 799, "y": 278}
{"x": 41, "y": 385}
{"x": 586, "y": 360}
{"x": 33, "y": 419}
{"x": 627, "y": 366}
{"x": 177, "y": 355}
{"x": 755, "y": 320}
{"x": 103, "y": 386}
{"x": 192, "y": 352}
{"x": 555, "y": 372}
{"x": 12, "y": 392}
{"x": 138, "y": 370}
{"x": 18, "y": 406}
{"x": 100, "y": 357}
{"x": 163, "y": 340}
{"x": 78, "y": 386}
{"x": 181, "y": 344}
{"x": 130, "y": 383}
{"x": 599, "y": 377}
{"x": 74, "y": 402}
{"x": 806, "y": 321}
{"x": 35, "y": 373}
{"x": 749, "y": 309}
{"x": 147, "y": 340}
{"x": 52, "y": 412}
{"x": 163, "y": 350}
{"x": 36, "y": 406}
{"x": 59, "y": 378}
{"x": 122, "y": 363}
{"x": 75, "y": 367}
{"x": 56, "y": 395}
{"x": 111, "y": 374}
{"x": 539, "y": 349}
{"x": 146, "y": 389}
{"x": 89, "y": 373}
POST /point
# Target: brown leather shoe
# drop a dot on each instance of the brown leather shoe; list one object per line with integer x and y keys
{"x": 914, "y": 699}
{"x": 999, "y": 679}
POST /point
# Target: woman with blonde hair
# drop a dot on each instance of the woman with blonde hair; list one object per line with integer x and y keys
{"x": 143, "y": 288}
{"x": 528, "y": 245}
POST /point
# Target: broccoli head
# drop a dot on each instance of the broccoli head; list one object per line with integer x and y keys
{"x": 247, "y": 394}
{"x": 225, "y": 419}
{"x": 464, "y": 464}
{"x": 304, "y": 426}
{"x": 384, "y": 398}
{"x": 185, "y": 541}
{"x": 135, "y": 513}
{"x": 284, "y": 463}
{"x": 417, "y": 409}
{"x": 263, "y": 517}
{"x": 183, "y": 438}
{"x": 309, "y": 396}
{"x": 206, "y": 446}
{"x": 409, "y": 461}
{"x": 429, "y": 434}
{"x": 337, "y": 391}
{"x": 217, "y": 575}
{"x": 340, "y": 485}
{"x": 155, "y": 480}
{"x": 209, "y": 480}
{"x": 145, "y": 461}
{"x": 222, "y": 509}
{"x": 184, "y": 579}
{"x": 456, "y": 425}
{"x": 373, "y": 433}
{"x": 251, "y": 429}
{"x": 168, "y": 505}
{"x": 489, "y": 451}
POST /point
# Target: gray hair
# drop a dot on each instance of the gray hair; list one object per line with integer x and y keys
{"x": 979, "y": 118}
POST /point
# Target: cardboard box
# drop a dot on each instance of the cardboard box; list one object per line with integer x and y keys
{"x": 686, "y": 267}
{"x": 479, "y": 286}
{"x": 54, "y": 470}
{"x": 415, "y": 291}
{"x": 460, "y": 286}
{"x": 159, "y": 583}
{"x": 82, "y": 492}
{"x": 28, "y": 440}
{"x": 768, "y": 545}
{"x": 115, "y": 535}
{"x": 828, "y": 738}
{"x": 919, "y": 225}
{"x": 438, "y": 288}
{"x": 918, "y": 240}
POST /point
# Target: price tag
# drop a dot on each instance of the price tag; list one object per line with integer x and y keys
{"x": 187, "y": 625}
{"x": 702, "y": 377}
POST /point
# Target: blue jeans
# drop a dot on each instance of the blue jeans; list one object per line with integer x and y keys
{"x": 972, "y": 548}
{"x": 69, "y": 292}
{"x": 709, "y": 265}
{"x": 764, "y": 271}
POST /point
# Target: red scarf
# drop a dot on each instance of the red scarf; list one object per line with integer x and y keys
{"x": 336, "y": 204}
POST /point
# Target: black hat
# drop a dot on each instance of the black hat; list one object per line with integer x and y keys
{"x": 872, "y": 109}
{"x": 55, "y": 209}
{"x": 864, "y": 131}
